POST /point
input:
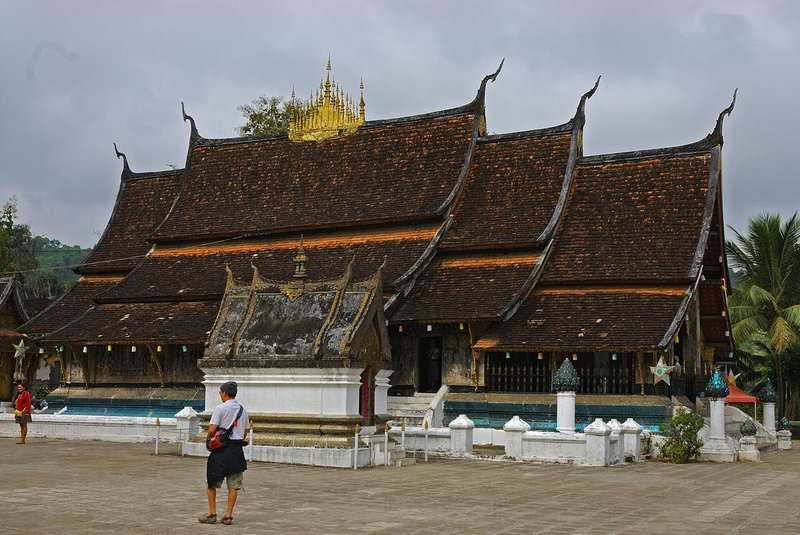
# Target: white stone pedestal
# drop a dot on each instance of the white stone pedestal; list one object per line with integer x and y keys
{"x": 382, "y": 392}
{"x": 187, "y": 423}
{"x": 617, "y": 450}
{"x": 631, "y": 440}
{"x": 598, "y": 443}
{"x": 717, "y": 446}
{"x": 748, "y": 449}
{"x": 514, "y": 429}
{"x": 461, "y": 434}
{"x": 769, "y": 417}
{"x": 565, "y": 412}
{"x": 290, "y": 391}
{"x": 784, "y": 440}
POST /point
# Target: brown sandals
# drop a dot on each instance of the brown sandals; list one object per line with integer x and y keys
{"x": 208, "y": 518}
{"x": 227, "y": 520}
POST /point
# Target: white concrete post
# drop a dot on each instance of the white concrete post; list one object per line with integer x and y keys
{"x": 598, "y": 438}
{"x": 784, "y": 440}
{"x": 187, "y": 423}
{"x": 748, "y": 449}
{"x": 769, "y": 416}
{"x": 461, "y": 434}
{"x": 514, "y": 429}
{"x": 382, "y": 392}
{"x": 617, "y": 451}
{"x": 565, "y": 412}
{"x": 717, "y": 411}
{"x": 632, "y": 440}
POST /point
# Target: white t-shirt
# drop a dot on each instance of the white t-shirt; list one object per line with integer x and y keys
{"x": 224, "y": 414}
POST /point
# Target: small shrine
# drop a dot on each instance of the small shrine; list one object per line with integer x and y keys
{"x": 308, "y": 356}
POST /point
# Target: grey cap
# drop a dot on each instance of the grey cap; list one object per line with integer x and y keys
{"x": 230, "y": 388}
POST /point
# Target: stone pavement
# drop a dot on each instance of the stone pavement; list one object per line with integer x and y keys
{"x": 52, "y": 486}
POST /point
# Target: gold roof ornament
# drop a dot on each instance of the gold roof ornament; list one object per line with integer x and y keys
{"x": 327, "y": 114}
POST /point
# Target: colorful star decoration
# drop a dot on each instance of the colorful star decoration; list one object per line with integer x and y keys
{"x": 661, "y": 371}
{"x": 731, "y": 378}
{"x": 19, "y": 349}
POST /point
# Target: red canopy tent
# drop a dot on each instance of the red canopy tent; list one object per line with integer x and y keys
{"x": 737, "y": 395}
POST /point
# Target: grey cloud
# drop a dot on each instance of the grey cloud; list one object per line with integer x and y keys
{"x": 77, "y": 77}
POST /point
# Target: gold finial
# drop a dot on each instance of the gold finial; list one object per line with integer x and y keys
{"x": 292, "y": 91}
{"x": 361, "y": 104}
{"x": 328, "y": 113}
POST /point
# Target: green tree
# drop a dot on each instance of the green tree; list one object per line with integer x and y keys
{"x": 766, "y": 301}
{"x": 266, "y": 115}
{"x": 16, "y": 242}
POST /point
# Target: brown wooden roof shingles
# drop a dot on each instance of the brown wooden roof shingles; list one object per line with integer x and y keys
{"x": 634, "y": 225}
{"x": 198, "y": 272}
{"x": 621, "y": 319}
{"x": 144, "y": 199}
{"x": 142, "y": 202}
{"x": 457, "y": 288}
{"x": 141, "y": 323}
{"x": 395, "y": 172}
{"x": 512, "y": 191}
{"x": 71, "y": 305}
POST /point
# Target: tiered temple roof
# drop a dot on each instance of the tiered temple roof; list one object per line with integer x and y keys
{"x": 551, "y": 249}
{"x": 142, "y": 202}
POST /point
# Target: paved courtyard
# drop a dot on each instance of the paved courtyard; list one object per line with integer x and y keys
{"x": 53, "y": 486}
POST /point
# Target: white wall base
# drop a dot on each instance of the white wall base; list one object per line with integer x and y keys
{"x": 108, "y": 428}
{"x": 300, "y": 391}
{"x": 328, "y": 457}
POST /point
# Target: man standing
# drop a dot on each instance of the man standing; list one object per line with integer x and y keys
{"x": 22, "y": 412}
{"x": 228, "y": 462}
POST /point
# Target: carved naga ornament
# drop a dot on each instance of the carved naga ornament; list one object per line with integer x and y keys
{"x": 330, "y": 112}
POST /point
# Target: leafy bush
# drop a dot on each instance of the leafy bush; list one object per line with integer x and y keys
{"x": 682, "y": 441}
{"x": 42, "y": 391}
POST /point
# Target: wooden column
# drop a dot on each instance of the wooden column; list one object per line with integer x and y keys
{"x": 158, "y": 360}
{"x": 83, "y": 362}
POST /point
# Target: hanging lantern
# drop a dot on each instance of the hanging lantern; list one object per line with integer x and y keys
{"x": 399, "y": 328}
{"x": 430, "y": 327}
{"x": 677, "y": 340}
{"x": 574, "y": 356}
{"x": 508, "y": 354}
{"x": 613, "y": 356}
{"x": 133, "y": 349}
{"x": 85, "y": 349}
{"x": 460, "y": 326}
{"x": 540, "y": 356}
{"x": 158, "y": 349}
{"x": 185, "y": 349}
{"x": 108, "y": 348}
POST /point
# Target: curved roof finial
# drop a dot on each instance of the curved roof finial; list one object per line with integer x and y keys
{"x": 194, "y": 134}
{"x": 716, "y": 135}
{"x": 488, "y": 78}
{"x": 126, "y": 170}
{"x": 580, "y": 113}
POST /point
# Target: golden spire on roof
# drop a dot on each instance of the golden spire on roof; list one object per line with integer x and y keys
{"x": 329, "y": 113}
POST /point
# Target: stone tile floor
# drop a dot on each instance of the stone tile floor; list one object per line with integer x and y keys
{"x": 54, "y": 487}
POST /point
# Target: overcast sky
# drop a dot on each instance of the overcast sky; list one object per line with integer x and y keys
{"x": 77, "y": 76}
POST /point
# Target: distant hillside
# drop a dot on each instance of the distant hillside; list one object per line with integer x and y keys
{"x": 56, "y": 255}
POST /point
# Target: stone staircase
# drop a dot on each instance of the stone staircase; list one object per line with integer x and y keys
{"x": 410, "y": 409}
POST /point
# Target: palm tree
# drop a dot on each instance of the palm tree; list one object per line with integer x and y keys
{"x": 767, "y": 300}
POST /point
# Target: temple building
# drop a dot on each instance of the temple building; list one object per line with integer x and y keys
{"x": 499, "y": 255}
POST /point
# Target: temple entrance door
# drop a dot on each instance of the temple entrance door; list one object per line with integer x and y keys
{"x": 367, "y": 396}
{"x": 429, "y": 363}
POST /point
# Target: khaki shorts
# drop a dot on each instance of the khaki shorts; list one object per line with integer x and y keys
{"x": 235, "y": 482}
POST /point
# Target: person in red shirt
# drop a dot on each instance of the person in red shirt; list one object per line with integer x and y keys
{"x": 23, "y": 406}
